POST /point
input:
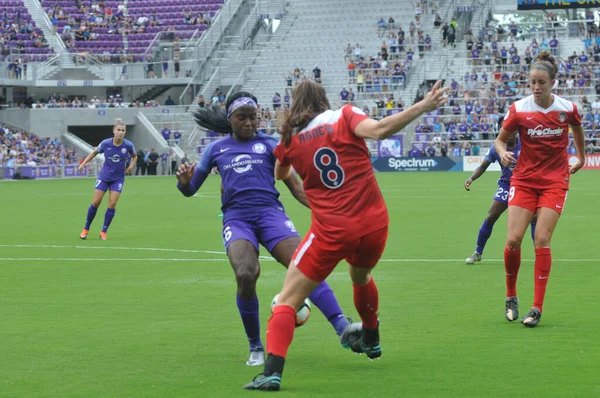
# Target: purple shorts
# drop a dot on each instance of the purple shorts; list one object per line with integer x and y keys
{"x": 113, "y": 186}
{"x": 502, "y": 192}
{"x": 268, "y": 229}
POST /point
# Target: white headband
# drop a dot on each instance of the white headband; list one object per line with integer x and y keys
{"x": 238, "y": 103}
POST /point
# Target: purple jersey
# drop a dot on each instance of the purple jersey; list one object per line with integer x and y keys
{"x": 492, "y": 156}
{"x": 115, "y": 159}
{"x": 247, "y": 173}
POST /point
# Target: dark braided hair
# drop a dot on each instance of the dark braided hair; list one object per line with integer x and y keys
{"x": 214, "y": 118}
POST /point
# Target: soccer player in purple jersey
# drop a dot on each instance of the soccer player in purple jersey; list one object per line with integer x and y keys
{"x": 252, "y": 212}
{"x": 500, "y": 202}
{"x": 116, "y": 152}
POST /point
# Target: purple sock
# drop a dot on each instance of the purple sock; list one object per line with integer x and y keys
{"x": 484, "y": 234}
{"x": 249, "y": 313}
{"x": 324, "y": 299}
{"x": 90, "y": 216}
{"x": 533, "y": 232}
{"x": 108, "y": 217}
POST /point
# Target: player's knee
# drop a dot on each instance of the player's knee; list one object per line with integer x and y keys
{"x": 514, "y": 242}
{"x": 246, "y": 278}
{"x": 541, "y": 239}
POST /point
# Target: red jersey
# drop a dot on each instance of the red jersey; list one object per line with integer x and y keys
{"x": 337, "y": 175}
{"x": 543, "y": 161}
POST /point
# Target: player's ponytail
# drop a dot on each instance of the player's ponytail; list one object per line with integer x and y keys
{"x": 214, "y": 118}
{"x": 119, "y": 122}
{"x": 309, "y": 100}
{"x": 545, "y": 61}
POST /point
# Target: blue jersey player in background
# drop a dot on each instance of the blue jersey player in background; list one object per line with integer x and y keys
{"x": 500, "y": 202}
{"x": 252, "y": 212}
{"x": 117, "y": 151}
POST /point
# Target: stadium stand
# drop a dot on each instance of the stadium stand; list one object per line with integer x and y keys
{"x": 381, "y": 64}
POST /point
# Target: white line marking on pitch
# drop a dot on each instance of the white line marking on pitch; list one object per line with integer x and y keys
{"x": 159, "y": 249}
{"x": 150, "y": 249}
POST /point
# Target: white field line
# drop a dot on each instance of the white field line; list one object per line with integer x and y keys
{"x": 158, "y": 249}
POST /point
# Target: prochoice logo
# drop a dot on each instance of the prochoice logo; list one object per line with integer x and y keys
{"x": 544, "y": 132}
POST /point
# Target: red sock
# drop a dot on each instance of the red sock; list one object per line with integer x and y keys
{"x": 512, "y": 263}
{"x": 543, "y": 263}
{"x": 366, "y": 301}
{"x": 280, "y": 330}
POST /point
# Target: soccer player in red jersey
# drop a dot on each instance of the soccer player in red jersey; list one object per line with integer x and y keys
{"x": 540, "y": 179}
{"x": 349, "y": 216}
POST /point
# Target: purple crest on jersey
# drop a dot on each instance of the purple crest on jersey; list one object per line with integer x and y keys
{"x": 115, "y": 159}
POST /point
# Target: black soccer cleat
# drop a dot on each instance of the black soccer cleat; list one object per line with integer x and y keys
{"x": 512, "y": 309}
{"x": 368, "y": 343}
{"x": 532, "y": 319}
{"x": 265, "y": 383}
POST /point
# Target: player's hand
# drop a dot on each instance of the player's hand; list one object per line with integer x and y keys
{"x": 468, "y": 184}
{"x": 508, "y": 159}
{"x": 575, "y": 168}
{"x": 185, "y": 172}
{"x": 81, "y": 168}
{"x": 435, "y": 98}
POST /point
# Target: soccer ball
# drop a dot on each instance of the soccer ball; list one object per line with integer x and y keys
{"x": 302, "y": 314}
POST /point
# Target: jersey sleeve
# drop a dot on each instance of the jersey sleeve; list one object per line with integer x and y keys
{"x": 575, "y": 117}
{"x": 279, "y": 153}
{"x": 353, "y": 116}
{"x": 131, "y": 148}
{"x": 205, "y": 164}
{"x": 510, "y": 122}
{"x": 271, "y": 143}
{"x": 101, "y": 146}
{"x": 490, "y": 156}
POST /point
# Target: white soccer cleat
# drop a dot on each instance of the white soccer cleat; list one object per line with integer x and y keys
{"x": 473, "y": 258}
{"x": 257, "y": 358}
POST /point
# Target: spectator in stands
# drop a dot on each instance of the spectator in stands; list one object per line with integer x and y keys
{"x": 165, "y": 67}
{"x": 173, "y": 158}
{"x": 169, "y": 101}
{"x": 317, "y": 73}
{"x": 276, "y": 101}
{"x": 164, "y": 166}
{"x": 152, "y": 162}
{"x": 140, "y": 165}
{"x": 177, "y": 137}
{"x": 344, "y": 95}
{"x": 201, "y": 102}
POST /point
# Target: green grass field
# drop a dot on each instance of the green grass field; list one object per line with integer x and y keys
{"x": 151, "y": 312}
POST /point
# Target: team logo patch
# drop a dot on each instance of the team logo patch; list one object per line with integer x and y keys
{"x": 259, "y": 148}
{"x": 120, "y": 186}
{"x": 562, "y": 117}
{"x": 290, "y": 225}
{"x": 123, "y": 150}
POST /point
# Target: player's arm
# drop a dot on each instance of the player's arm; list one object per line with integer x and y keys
{"x": 477, "y": 173}
{"x": 88, "y": 159}
{"x": 132, "y": 163}
{"x": 282, "y": 172}
{"x": 501, "y": 144}
{"x": 295, "y": 186}
{"x": 579, "y": 138}
{"x": 190, "y": 178}
{"x": 384, "y": 128}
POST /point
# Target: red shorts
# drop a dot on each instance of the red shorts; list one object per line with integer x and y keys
{"x": 317, "y": 259}
{"x": 533, "y": 198}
